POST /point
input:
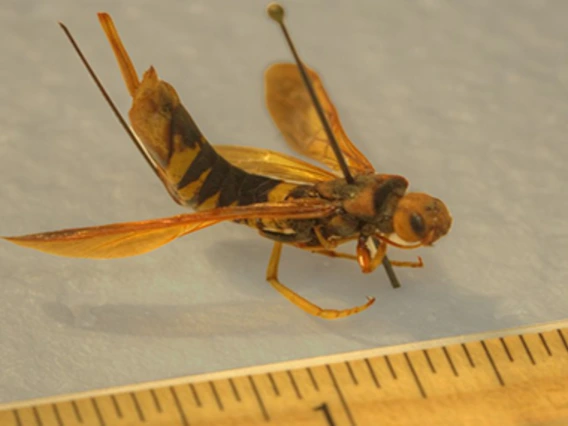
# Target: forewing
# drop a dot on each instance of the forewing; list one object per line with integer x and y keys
{"x": 133, "y": 238}
{"x": 293, "y": 112}
{"x": 274, "y": 164}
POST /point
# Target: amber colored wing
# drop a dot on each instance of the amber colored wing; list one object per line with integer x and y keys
{"x": 292, "y": 110}
{"x": 274, "y": 164}
{"x": 132, "y": 238}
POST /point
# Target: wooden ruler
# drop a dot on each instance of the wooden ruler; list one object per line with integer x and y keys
{"x": 510, "y": 377}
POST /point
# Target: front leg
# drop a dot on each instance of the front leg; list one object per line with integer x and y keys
{"x": 408, "y": 263}
{"x": 366, "y": 259}
{"x": 369, "y": 262}
{"x": 374, "y": 263}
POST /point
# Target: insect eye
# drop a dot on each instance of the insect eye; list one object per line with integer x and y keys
{"x": 166, "y": 108}
{"x": 417, "y": 224}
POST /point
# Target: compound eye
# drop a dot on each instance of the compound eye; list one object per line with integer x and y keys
{"x": 417, "y": 224}
{"x": 409, "y": 225}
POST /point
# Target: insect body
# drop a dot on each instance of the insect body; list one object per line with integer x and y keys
{"x": 287, "y": 200}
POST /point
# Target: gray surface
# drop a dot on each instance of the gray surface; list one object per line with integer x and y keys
{"x": 466, "y": 99}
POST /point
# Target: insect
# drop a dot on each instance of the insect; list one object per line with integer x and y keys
{"x": 287, "y": 200}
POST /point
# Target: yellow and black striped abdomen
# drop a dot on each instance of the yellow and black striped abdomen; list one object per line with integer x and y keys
{"x": 205, "y": 180}
{"x": 195, "y": 174}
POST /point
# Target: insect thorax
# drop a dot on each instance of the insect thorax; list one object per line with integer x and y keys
{"x": 365, "y": 207}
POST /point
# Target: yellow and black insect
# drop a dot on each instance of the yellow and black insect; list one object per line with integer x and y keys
{"x": 287, "y": 200}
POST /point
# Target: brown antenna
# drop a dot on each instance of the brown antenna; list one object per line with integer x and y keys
{"x": 108, "y": 99}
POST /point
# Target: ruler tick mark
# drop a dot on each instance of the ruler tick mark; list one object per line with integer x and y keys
{"x": 527, "y": 350}
{"x": 37, "y": 417}
{"x": 294, "y": 384}
{"x": 98, "y": 412}
{"x": 429, "y": 361}
{"x": 216, "y": 395}
{"x": 563, "y": 339}
{"x": 235, "y": 391}
{"x": 351, "y": 373}
{"x": 449, "y": 358}
{"x": 415, "y": 376}
{"x": 273, "y": 383}
{"x": 138, "y": 408}
{"x": 468, "y": 355}
{"x": 77, "y": 412}
{"x": 57, "y": 414}
{"x": 195, "y": 395}
{"x": 259, "y": 399}
{"x": 313, "y": 379}
{"x": 389, "y": 365}
{"x": 546, "y": 347}
{"x": 372, "y": 372}
{"x": 156, "y": 400}
{"x": 490, "y": 358}
{"x": 506, "y": 348}
{"x": 116, "y": 406}
{"x": 182, "y": 416}
{"x": 17, "y": 417}
{"x": 340, "y": 394}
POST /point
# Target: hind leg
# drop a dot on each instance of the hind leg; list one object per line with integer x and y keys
{"x": 299, "y": 301}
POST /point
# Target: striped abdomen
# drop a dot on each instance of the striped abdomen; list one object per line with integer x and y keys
{"x": 196, "y": 175}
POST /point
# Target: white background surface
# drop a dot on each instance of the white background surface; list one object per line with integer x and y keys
{"x": 468, "y": 100}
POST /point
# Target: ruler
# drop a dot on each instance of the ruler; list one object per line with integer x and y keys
{"x": 509, "y": 377}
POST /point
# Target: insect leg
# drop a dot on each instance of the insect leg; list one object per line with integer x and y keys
{"x": 327, "y": 251}
{"x": 368, "y": 261}
{"x": 408, "y": 263}
{"x": 299, "y": 301}
{"x": 323, "y": 241}
{"x": 333, "y": 253}
{"x": 373, "y": 263}
{"x": 369, "y": 264}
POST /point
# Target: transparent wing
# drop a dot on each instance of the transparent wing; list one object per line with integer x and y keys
{"x": 293, "y": 112}
{"x": 133, "y": 238}
{"x": 274, "y": 164}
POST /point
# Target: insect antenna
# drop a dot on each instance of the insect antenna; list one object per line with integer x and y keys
{"x": 276, "y": 12}
{"x": 108, "y": 99}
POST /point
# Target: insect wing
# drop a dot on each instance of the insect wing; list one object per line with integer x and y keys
{"x": 133, "y": 238}
{"x": 274, "y": 164}
{"x": 293, "y": 112}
